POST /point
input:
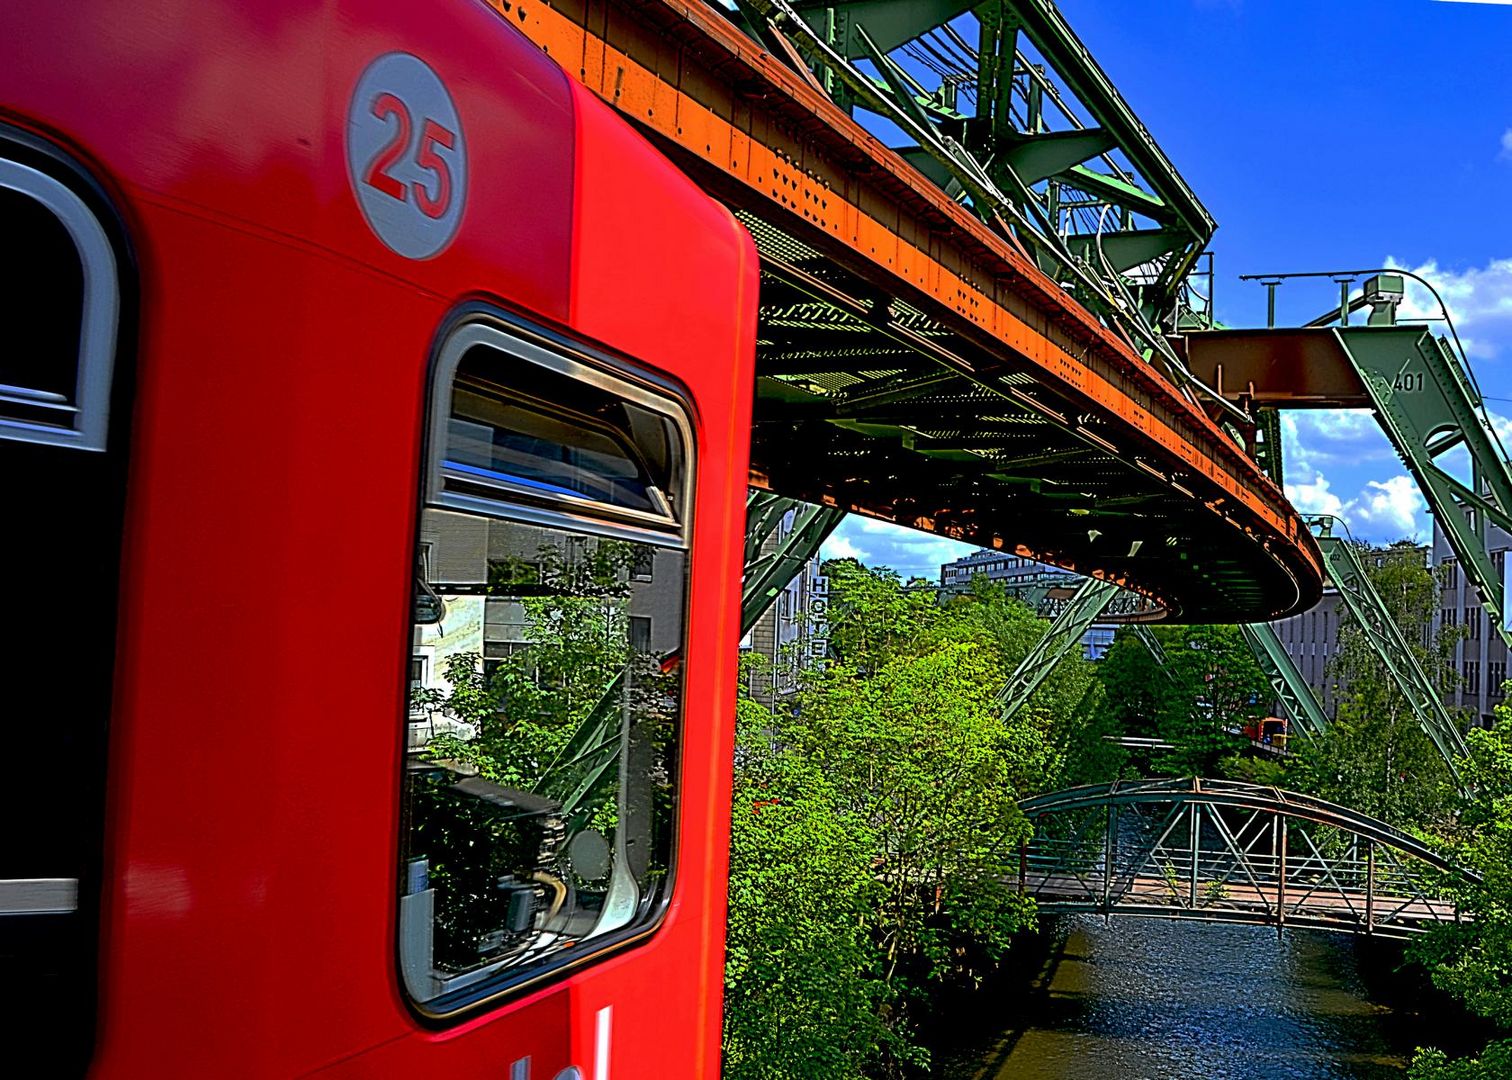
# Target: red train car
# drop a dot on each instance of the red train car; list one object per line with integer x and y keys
{"x": 373, "y": 434}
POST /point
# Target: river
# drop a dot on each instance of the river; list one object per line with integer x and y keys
{"x": 1153, "y": 1000}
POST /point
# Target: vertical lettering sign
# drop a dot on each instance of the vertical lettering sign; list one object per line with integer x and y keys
{"x": 406, "y": 156}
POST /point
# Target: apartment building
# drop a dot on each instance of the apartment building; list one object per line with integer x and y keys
{"x": 1480, "y": 656}
{"x": 1022, "y": 576}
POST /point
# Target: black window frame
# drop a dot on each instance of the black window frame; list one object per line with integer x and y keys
{"x": 58, "y": 1007}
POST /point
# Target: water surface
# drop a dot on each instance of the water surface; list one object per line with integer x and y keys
{"x": 1149, "y": 1000}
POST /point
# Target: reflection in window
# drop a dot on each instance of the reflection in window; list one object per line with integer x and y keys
{"x": 540, "y": 788}
{"x": 55, "y": 382}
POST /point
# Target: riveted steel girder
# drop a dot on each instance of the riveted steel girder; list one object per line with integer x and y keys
{"x": 1385, "y": 638}
{"x": 1297, "y": 698}
{"x": 844, "y": 221}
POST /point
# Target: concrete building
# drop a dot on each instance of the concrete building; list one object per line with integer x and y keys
{"x": 793, "y": 632}
{"x": 1311, "y": 640}
{"x": 1481, "y": 655}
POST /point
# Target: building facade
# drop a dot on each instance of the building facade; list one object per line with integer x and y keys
{"x": 1029, "y": 581}
{"x": 793, "y": 632}
{"x": 1312, "y": 640}
{"x": 1480, "y": 656}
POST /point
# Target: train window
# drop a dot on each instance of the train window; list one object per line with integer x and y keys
{"x": 56, "y": 388}
{"x": 540, "y": 787}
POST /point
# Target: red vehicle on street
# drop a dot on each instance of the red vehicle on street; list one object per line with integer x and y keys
{"x": 349, "y": 349}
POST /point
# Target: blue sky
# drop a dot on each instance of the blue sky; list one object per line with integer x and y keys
{"x": 1320, "y": 136}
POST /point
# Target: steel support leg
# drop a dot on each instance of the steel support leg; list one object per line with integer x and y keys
{"x": 1370, "y": 879}
{"x": 1426, "y": 403}
{"x": 768, "y": 573}
{"x": 1297, "y": 698}
{"x": 1281, "y": 877}
{"x": 1064, "y": 635}
{"x": 1386, "y": 639}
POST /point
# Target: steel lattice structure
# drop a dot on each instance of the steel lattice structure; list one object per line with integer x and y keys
{"x": 1221, "y": 851}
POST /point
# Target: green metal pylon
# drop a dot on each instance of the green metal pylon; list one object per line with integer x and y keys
{"x": 1065, "y": 634}
{"x": 1297, "y": 698}
{"x": 768, "y": 574}
{"x": 1385, "y": 638}
{"x": 1427, "y": 405}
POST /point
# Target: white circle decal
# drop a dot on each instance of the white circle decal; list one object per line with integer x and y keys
{"x": 406, "y": 156}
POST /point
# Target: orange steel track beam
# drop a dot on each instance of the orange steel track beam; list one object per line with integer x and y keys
{"x": 752, "y": 126}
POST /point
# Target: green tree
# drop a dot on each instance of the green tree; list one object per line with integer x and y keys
{"x": 873, "y": 616}
{"x": 1472, "y": 959}
{"x": 876, "y": 825}
{"x": 803, "y": 991}
{"x": 1209, "y": 688}
{"x": 1375, "y": 757}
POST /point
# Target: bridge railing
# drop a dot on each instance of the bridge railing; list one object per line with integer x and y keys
{"x": 1222, "y": 851}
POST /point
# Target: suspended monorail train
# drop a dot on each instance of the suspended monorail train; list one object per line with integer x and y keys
{"x": 374, "y": 420}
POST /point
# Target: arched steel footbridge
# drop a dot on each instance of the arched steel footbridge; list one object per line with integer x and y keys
{"x": 1220, "y": 851}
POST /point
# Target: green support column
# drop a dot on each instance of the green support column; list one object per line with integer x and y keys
{"x": 1065, "y": 634}
{"x": 768, "y": 574}
{"x": 1385, "y": 637}
{"x": 1297, "y": 698}
{"x": 1427, "y": 405}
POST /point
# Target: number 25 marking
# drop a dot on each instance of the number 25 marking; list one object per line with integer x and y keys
{"x": 432, "y": 135}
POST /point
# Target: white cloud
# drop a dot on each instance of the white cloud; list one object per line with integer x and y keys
{"x": 841, "y": 547}
{"x": 1506, "y": 146}
{"x": 1387, "y": 510}
{"x": 1320, "y": 438}
{"x": 1479, "y": 301}
{"x": 877, "y": 543}
{"x": 1314, "y": 497}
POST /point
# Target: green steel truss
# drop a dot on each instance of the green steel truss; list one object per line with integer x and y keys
{"x": 1153, "y": 646}
{"x": 1223, "y": 851}
{"x": 1002, "y": 105}
{"x": 1428, "y": 406}
{"x": 1385, "y": 637}
{"x": 767, "y": 574}
{"x": 1064, "y": 635}
{"x": 1423, "y": 393}
{"x": 1297, "y": 698}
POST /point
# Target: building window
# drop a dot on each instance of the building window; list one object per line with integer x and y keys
{"x": 1472, "y": 623}
{"x": 56, "y": 388}
{"x": 1472, "y": 678}
{"x": 538, "y": 825}
{"x": 1496, "y": 675}
{"x": 1451, "y": 574}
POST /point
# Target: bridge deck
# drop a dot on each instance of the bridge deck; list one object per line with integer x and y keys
{"x": 1224, "y": 851}
{"x": 1354, "y": 910}
{"x": 914, "y": 364}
